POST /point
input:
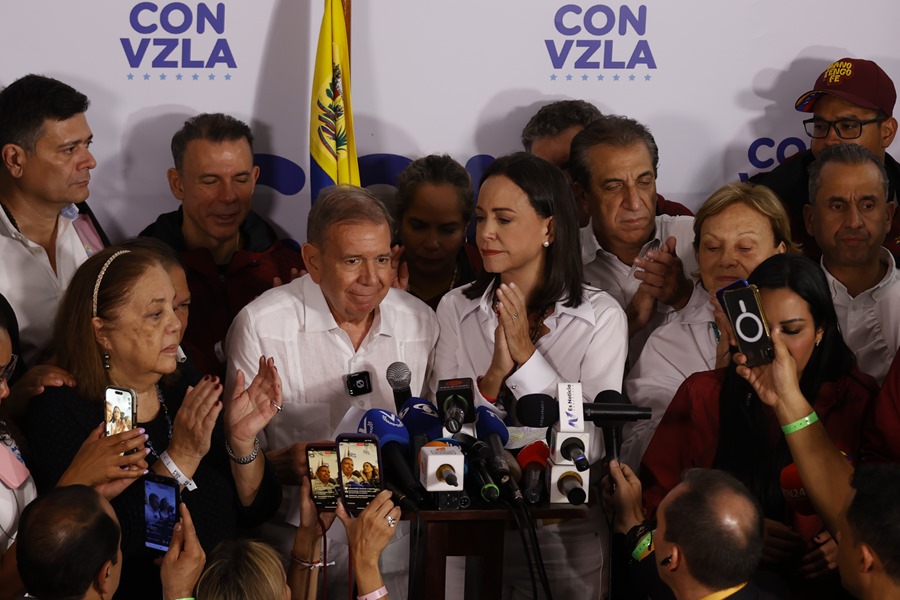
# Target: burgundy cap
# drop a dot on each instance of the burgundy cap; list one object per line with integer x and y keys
{"x": 860, "y": 82}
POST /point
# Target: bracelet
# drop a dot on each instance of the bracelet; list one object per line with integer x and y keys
{"x": 310, "y": 565}
{"x": 180, "y": 477}
{"x": 243, "y": 460}
{"x": 379, "y": 593}
{"x": 800, "y": 423}
{"x": 643, "y": 548}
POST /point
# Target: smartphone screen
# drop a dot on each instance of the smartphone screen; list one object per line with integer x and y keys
{"x": 119, "y": 409}
{"x": 160, "y": 511}
{"x": 359, "y": 473}
{"x": 323, "y": 474}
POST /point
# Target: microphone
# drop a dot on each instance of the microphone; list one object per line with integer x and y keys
{"x": 393, "y": 439}
{"x": 572, "y": 449}
{"x": 491, "y": 429}
{"x": 399, "y": 377}
{"x": 478, "y": 454}
{"x": 533, "y": 460}
{"x": 455, "y": 402}
{"x": 611, "y": 407}
{"x": 537, "y": 410}
{"x": 612, "y": 432}
{"x": 421, "y": 420}
{"x": 571, "y": 486}
{"x": 401, "y": 499}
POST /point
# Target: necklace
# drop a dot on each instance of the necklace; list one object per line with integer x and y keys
{"x": 165, "y": 411}
{"x": 535, "y": 332}
{"x": 10, "y": 216}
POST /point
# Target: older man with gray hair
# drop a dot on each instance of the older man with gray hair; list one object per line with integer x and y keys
{"x": 336, "y": 327}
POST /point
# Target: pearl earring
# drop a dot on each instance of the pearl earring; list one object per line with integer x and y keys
{"x": 546, "y": 244}
{"x": 106, "y": 360}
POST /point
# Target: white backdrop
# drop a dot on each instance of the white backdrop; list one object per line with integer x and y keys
{"x": 715, "y": 81}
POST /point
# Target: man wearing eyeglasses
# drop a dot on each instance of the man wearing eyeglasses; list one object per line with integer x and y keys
{"x": 852, "y": 102}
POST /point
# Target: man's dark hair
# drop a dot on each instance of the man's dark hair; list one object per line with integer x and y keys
{"x": 718, "y": 556}
{"x": 212, "y": 127}
{"x": 554, "y": 118}
{"x": 64, "y": 538}
{"x": 27, "y": 102}
{"x": 611, "y": 130}
{"x": 435, "y": 169}
{"x": 844, "y": 154}
{"x": 874, "y": 514}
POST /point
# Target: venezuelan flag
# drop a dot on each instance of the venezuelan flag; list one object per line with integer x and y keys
{"x": 332, "y": 146}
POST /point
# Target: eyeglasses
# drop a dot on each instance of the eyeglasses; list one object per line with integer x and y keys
{"x": 846, "y": 129}
{"x": 7, "y": 371}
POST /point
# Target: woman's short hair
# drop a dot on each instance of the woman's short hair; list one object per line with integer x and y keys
{"x": 435, "y": 169}
{"x": 550, "y": 195}
{"x": 759, "y": 198}
{"x": 242, "y": 570}
{"x": 75, "y": 344}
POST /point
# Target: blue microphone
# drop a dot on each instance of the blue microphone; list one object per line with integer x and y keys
{"x": 393, "y": 439}
{"x": 423, "y": 423}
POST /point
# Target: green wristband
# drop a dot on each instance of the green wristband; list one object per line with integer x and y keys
{"x": 800, "y": 423}
{"x": 642, "y": 546}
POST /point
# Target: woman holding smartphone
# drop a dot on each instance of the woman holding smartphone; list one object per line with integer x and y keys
{"x": 117, "y": 325}
{"x": 528, "y": 323}
{"x": 717, "y": 420}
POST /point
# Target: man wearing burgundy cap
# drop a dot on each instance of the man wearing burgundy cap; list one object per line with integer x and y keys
{"x": 852, "y": 102}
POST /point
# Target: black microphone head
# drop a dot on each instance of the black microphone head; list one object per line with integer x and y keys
{"x": 576, "y": 496}
{"x": 399, "y": 376}
{"x": 610, "y": 397}
{"x": 537, "y": 410}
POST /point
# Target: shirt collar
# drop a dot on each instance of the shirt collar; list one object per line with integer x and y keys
{"x": 890, "y": 275}
{"x": 318, "y": 315}
{"x": 590, "y": 247}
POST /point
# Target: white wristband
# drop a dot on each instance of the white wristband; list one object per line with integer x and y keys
{"x": 180, "y": 477}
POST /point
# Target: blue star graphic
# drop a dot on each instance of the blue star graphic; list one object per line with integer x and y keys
{"x": 615, "y": 77}
{"x": 631, "y": 78}
{"x": 146, "y": 76}
{"x": 195, "y": 77}
{"x": 162, "y": 76}
{"x": 130, "y": 76}
{"x": 211, "y": 76}
{"x": 584, "y": 77}
{"x": 599, "y": 77}
{"x": 553, "y": 77}
{"x": 179, "y": 77}
{"x": 569, "y": 77}
{"x": 227, "y": 76}
{"x": 646, "y": 77}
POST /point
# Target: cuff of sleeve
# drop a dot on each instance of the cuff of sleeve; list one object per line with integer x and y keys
{"x": 532, "y": 377}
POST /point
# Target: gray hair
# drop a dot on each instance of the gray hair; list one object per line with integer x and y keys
{"x": 843, "y": 154}
{"x": 344, "y": 204}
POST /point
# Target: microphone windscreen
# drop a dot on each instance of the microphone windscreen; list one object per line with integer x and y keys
{"x": 386, "y": 425}
{"x": 399, "y": 376}
{"x": 488, "y": 422}
{"x": 535, "y": 452}
{"x": 610, "y": 397}
{"x": 421, "y": 417}
{"x": 537, "y": 410}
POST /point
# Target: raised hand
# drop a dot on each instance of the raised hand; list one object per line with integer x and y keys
{"x": 101, "y": 462}
{"x": 512, "y": 311}
{"x": 250, "y": 410}
{"x": 193, "y": 426}
{"x": 184, "y": 562}
{"x": 662, "y": 276}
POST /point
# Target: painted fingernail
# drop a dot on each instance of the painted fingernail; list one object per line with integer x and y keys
{"x": 141, "y": 429}
{"x": 146, "y": 437}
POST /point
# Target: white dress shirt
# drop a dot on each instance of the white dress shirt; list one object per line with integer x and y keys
{"x": 29, "y": 283}
{"x": 870, "y": 322}
{"x": 293, "y": 324}
{"x": 673, "y": 352}
{"x": 605, "y": 271}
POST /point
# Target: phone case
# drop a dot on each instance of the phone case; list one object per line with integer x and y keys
{"x": 751, "y": 329}
{"x": 161, "y": 501}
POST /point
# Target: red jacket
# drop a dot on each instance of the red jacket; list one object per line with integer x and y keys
{"x": 883, "y": 436}
{"x": 218, "y": 295}
{"x": 688, "y": 434}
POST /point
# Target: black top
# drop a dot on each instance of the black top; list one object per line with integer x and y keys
{"x": 57, "y": 423}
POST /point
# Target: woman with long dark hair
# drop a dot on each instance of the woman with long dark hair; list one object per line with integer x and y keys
{"x": 529, "y": 322}
{"x": 717, "y": 420}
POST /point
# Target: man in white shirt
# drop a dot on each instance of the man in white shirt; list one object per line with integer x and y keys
{"x": 849, "y": 216}
{"x": 46, "y": 228}
{"x": 644, "y": 261}
{"x": 333, "y": 333}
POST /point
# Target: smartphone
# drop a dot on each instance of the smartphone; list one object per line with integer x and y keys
{"x": 323, "y": 472}
{"x": 654, "y": 245}
{"x": 359, "y": 470}
{"x": 734, "y": 285}
{"x": 160, "y": 510}
{"x": 744, "y": 309}
{"x": 120, "y": 409}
